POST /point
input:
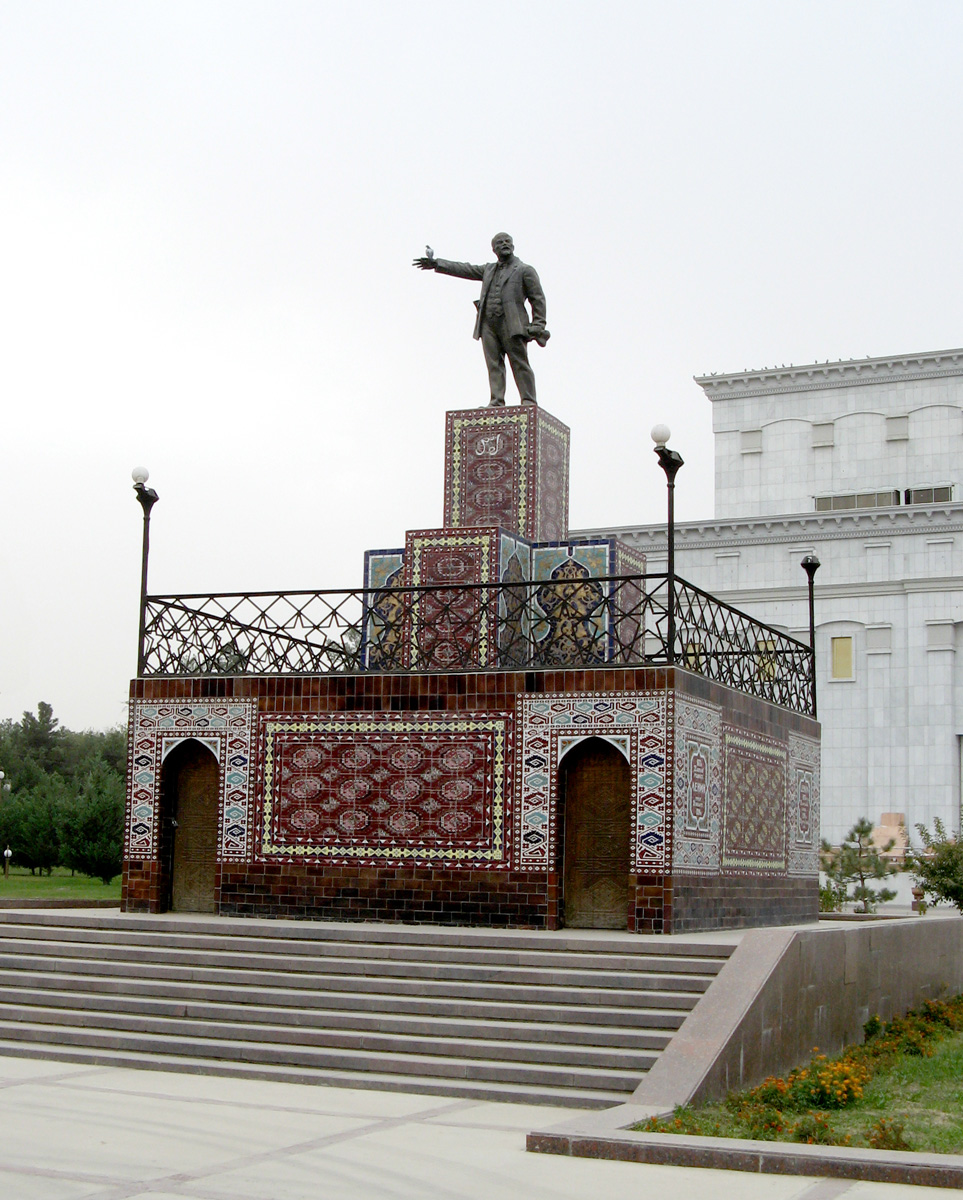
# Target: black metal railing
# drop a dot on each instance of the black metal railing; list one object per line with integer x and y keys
{"x": 531, "y": 625}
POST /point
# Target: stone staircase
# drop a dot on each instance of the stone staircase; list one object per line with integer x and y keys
{"x": 571, "y": 1018}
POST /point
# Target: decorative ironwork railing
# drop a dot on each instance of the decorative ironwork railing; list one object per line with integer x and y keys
{"x": 529, "y": 625}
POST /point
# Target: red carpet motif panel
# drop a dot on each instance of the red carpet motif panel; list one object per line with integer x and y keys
{"x": 414, "y": 787}
{"x": 507, "y": 467}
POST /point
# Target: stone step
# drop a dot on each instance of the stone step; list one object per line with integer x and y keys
{"x": 575, "y": 1019}
{"x": 371, "y": 1080}
{"x": 490, "y": 989}
{"x": 611, "y": 1079}
{"x": 582, "y": 941}
{"x": 640, "y": 1036}
{"x": 13, "y": 951}
{"x": 370, "y": 1042}
{"x": 538, "y": 1016}
{"x": 21, "y": 948}
{"x": 646, "y": 960}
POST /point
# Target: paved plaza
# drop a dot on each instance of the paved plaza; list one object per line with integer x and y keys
{"x": 70, "y": 1131}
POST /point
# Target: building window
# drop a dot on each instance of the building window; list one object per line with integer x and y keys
{"x": 823, "y": 435}
{"x": 897, "y": 429}
{"x": 939, "y": 556}
{"x": 727, "y": 571}
{"x": 877, "y": 561}
{"x": 879, "y": 639}
{"x": 929, "y": 495}
{"x": 693, "y": 656}
{"x": 751, "y": 441}
{"x": 939, "y": 635}
{"x": 841, "y": 664}
{"x": 765, "y": 658}
{"x": 850, "y": 500}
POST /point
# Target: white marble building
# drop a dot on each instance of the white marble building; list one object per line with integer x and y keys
{"x": 861, "y": 464}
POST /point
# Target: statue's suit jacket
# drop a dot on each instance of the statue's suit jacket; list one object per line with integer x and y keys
{"x": 520, "y": 283}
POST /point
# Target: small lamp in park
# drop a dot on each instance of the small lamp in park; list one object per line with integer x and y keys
{"x": 147, "y": 498}
{"x": 670, "y": 461}
{"x": 7, "y": 855}
{"x": 810, "y": 564}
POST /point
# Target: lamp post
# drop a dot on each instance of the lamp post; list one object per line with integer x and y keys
{"x": 810, "y": 564}
{"x": 147, "y": 498}
{"x": 670, "y": 461}
{"x": 8, "y": 853}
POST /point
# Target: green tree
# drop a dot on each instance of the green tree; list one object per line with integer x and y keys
{"x": 82, "y": 751}
{"x": 30, "y": 824}
{"x": 63, "y": 784}
{"x": 92, "y": 825}
{"x": 938, "y": 867}
{"x": 855, "y": 866}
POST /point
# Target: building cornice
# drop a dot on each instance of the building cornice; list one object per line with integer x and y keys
{"x": 818, "y": 377}
{"x": 803, "y": 527}
{"x": 741, "y": 597}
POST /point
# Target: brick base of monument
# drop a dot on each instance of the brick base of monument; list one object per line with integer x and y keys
{"x": 700, "y": 903}
{"x": 500, "y": 899}
{"x": 145, "y": 889}
{"x": 406, "y": 894}
{"x": 441, "y": 798}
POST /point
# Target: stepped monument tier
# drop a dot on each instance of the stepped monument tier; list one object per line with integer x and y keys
{"x": 507, "y": 467}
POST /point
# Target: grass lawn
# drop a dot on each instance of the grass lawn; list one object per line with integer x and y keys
{"x": 61, "y": 885}
{"x": 925, "y": 1094}
{"x": 902, "y": 1089}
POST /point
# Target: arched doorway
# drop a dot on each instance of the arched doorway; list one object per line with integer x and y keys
{"x": 596, "y": 791}
{"x": 190, "y": 790}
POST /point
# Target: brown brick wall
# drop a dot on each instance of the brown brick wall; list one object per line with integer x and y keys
{"x": 143, "y": 888}
{"x": 701, "y": 902}
{"x": 478, "y": 691}
{"x": 407, "y": 894}
{"x": 650, "y": 904}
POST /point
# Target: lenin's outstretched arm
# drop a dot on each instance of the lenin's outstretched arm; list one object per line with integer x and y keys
{"x": 463, "y": 270}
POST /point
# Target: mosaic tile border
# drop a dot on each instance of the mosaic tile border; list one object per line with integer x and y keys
{"x": 803, "y": 805}
{"x": 739, "y": 745}
{"x": 154, "y": 729}
{"x": 697, "y": 827}
{"x": 459, "y": 427}
{"x": 548, "y": 725}
{"x": 482, "y": 544}
{"x": 497, "y": 726}
{"x": 551, "y": 485}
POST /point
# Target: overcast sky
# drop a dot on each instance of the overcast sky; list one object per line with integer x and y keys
{"x": 208, "y": 213}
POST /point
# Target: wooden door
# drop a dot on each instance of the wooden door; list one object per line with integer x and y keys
{"x": 192, "y": 775}
{"x": 596, "y": 786}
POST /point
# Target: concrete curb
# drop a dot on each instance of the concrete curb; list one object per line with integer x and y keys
{"x": 731, "y": 1154}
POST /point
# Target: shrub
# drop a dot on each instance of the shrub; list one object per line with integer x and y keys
{"x": 887, "y": 1135}
{"x": 762, "y": 1122}
{"x": 872, "y": 1028}
{"x": 815, "y": 1130}
{"x": 938, "y": 867}
{"x": 858, "y": 864}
